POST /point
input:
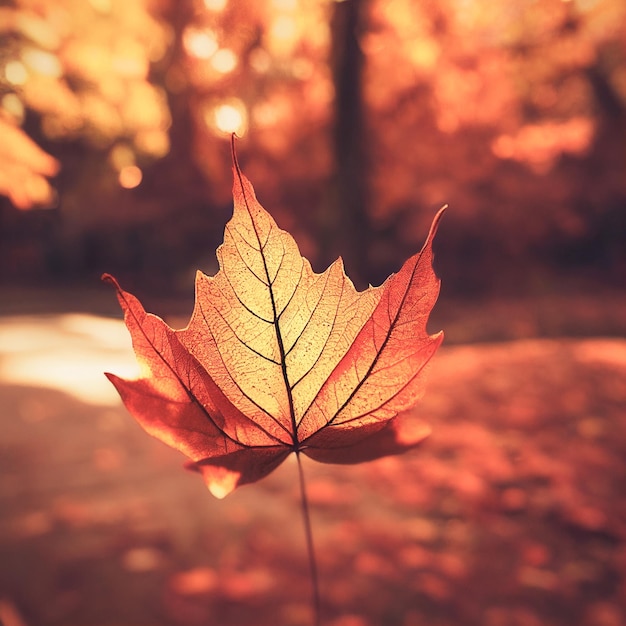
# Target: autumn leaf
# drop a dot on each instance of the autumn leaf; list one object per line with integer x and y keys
{"x": 278, "y": 359}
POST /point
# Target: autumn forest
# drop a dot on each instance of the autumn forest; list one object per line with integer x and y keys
{"x": 369, "y": 470}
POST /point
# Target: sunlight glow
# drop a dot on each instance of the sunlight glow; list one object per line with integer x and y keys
{"x": 199, "y": 43}
{"x": 215, "y": 5}
{"x": 15, "y": 73}
{"x": 231, "y": 117}
{"x": 195, "y": 581}
{"x": 42, "y": 62}
{"x": 121, "y": 155}
{"x": 66, "y": 352}
{"x": 13, "y": 105}
{"x": 265, "y": 114}
{"x": 102, "y": 6}
{"x": 221, "y": 482}
{"x": 38, "y": 30}
{"x": 130, "y": 177}
{"x": 282, "y": 36}
{"x": 285, "y": 5}
{"x": 284, "y": 27}
{"x": 224, "y": 61}
{"x": 130, "y": 59}
{"x": 154, "y": 142}
{"x": 539, "y": 144}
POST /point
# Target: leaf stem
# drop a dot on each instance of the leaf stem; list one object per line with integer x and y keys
{"x": 309, "y": 542}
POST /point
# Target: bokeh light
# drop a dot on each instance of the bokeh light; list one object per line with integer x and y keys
{"x": 42, "y": 62}
{"x": 200, "y": 43}
{"x": 15, "y": 73}
{"x": 215, "y": 5}
{"x": 361, "y": 118}
{"x": 230, "y": 117}
{"x": 224, "y": 61}
{"x": 130, "y": 177}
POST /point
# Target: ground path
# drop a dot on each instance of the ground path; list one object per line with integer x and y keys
{"x": 513, "y": 513}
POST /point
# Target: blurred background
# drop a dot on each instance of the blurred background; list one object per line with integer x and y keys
{"x": 357, "y": 120}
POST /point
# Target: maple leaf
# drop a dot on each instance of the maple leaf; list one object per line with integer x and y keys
{"x": 278, "y": 359}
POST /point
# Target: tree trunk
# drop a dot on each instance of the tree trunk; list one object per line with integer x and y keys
{"x": 347, "y": 224}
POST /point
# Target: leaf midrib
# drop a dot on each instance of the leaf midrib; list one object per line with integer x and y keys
{"x": 276, "y": 320}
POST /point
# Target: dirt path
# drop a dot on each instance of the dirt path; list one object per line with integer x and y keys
{"x": 512, "y": 514}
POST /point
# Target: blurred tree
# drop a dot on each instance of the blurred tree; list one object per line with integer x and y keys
{"x": 349, "y": 199}
{"x": 76, "y": 76}
{"x": 411, "y": 105}
{"x": 82, "y": 68}
{"x": 493, "y": 109}
{"x": 362, "y": 118}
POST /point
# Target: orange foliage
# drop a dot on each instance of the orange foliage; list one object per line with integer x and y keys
{"x": 83, "y": 68}
{"x": 540, "y": 144}
{"x": 24, "y": 167}
{"x": 472, "y": 104}
{"x": 278, "y": 359}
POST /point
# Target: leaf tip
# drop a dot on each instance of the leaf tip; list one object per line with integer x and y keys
{"x": 233, "y": 151}
{"x": 437, "y": 219}
{"x": 111, "y": 280}
{"x": 220, "y": 481}
{"x": 219, "y": 491}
